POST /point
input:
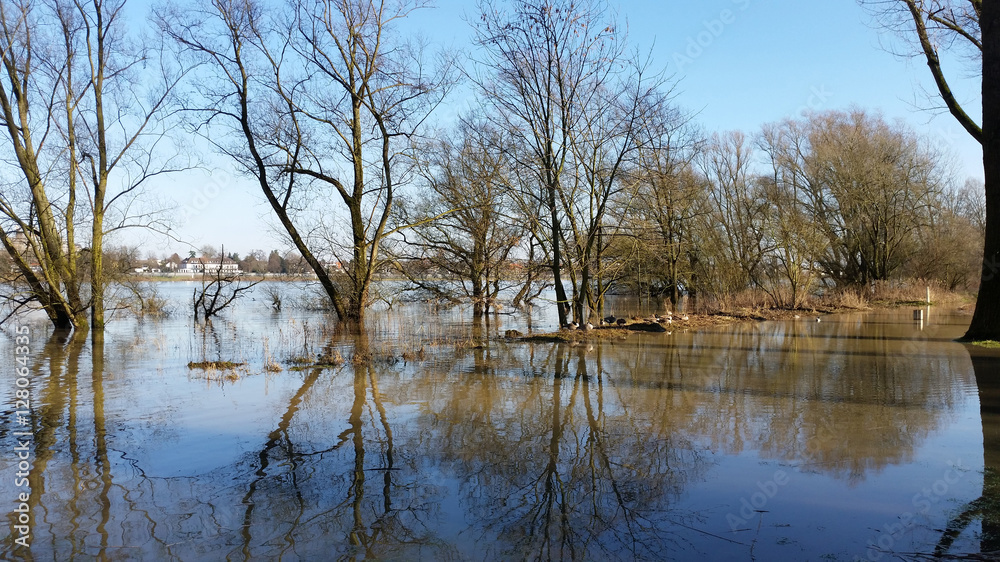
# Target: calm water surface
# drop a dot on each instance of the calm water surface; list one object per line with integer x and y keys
{"x": 858, "y": 437}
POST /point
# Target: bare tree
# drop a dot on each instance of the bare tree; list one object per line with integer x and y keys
{"x": 970, "y": 29}
{"x": 736, "y": 239}
{"x": 316, "y": 96}
{"x": 85, "y": 108}
{"x": 671, "y": 197}
{"x": 466, "y": 225}
{"x": 554, "y": 73}
{"x": 219, "y": 289}
{"x": 949, "y": 247}
{"x": 605, "y": 146}
{"x": 541, "y": 61}
{"x": 870, "y": 187}
{"x": 970, "y": 203}
{"x": 790, "y": 268}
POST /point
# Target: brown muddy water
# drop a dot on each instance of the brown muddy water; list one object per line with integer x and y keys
{"x": 857, "y": 437}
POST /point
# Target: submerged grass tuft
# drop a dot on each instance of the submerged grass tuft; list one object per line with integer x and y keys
{"x": 227, "y": 371}
{"x": 418, "y": 355}
{"x": 328, "y": 359}
{"x": 216, "y": 365}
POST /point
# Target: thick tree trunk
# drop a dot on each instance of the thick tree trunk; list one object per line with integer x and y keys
{"x": 986, "y": 320}
{"x": 479, "y": 277}
{"x": 478, "y": 295}
{"x": 361, "y": 273}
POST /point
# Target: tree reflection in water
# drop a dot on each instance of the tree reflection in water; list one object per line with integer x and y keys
{"x": 551, "y": 476}
{"x": 494, "y": 450}
{"x": 74, "y": 493}
{"x": 986, "y": 508}
{"x": 312, "y": 496}
{"x": 842, "y": 402}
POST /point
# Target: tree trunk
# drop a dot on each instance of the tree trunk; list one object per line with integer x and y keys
{"x": 97, "y": 273}
{"x": 583, "y": 296}
{"x": 479, "y": 277}
{"x": 562, "y": 303}
{"x": 986, "y": 320}
{"x": 361, "y": 270}
{"x": 478, "y": 295}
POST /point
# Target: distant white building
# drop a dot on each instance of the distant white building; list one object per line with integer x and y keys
{"x": 192, "y": 266}
{"x": 20, "y": 242}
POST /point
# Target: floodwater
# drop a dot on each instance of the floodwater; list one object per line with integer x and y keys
{"x": 858, "y": 437}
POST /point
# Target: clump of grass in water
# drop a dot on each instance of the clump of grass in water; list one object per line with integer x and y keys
{"x": 331, "y": 358}
{"x": 988, "y": 344}
{"x": 217, "y": 370}
{"x": 270, "y": 365}
{"x": 214, "y": 365}
{"x": 418, "y": 355}
{"x": 363, "y": 358}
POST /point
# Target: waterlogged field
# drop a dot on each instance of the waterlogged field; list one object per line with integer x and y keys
{"x": 428, "y": 437}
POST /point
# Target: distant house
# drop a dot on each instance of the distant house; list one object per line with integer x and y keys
{"x": 20, "y": 242}
{"x": 192, "y": 266}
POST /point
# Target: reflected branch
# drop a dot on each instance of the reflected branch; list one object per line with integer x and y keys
{"x": 274, "y": 440}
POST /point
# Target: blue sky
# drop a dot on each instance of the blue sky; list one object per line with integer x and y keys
{"x": 738, "y": 64}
